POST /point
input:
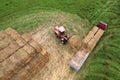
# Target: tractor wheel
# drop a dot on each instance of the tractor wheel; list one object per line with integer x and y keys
{"x": 63, "y": 41}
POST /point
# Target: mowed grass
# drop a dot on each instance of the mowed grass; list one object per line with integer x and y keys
{"x": 104, "y": 62}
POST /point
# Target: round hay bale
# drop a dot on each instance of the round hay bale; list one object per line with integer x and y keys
{"x": 75, "y": 41}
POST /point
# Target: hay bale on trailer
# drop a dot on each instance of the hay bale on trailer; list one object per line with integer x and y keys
{"x": 90, "y": 35}
{"x": 91, "y": 45}
{"x": 98, "y": 34}
{"x": 78, "y": 60}
{"x": 85, "y": 41}
{"x": 88, "y": 45}
{"x": 23, "y": 55}
{"x": 5, "y": 42}
{"x": 11, "y": 66}
{"x": 94, "y": 30}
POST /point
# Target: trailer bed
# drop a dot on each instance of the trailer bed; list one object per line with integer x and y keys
{"x": 88, "y": 44}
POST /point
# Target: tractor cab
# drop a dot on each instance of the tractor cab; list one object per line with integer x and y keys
{"x": 60, "y": 33}
{"x": 61, "y": 29}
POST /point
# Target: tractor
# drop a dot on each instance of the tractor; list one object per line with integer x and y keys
{"x": 61, "y": 34}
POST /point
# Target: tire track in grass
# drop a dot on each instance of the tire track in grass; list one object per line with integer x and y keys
{"x": 99, "y": 10}
{"x": 104, "y": 10}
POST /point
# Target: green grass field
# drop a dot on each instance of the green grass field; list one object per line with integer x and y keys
{"x": 104, "y": 61}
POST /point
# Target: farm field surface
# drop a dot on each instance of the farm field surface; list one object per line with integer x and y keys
{"x": 78, "y": 17}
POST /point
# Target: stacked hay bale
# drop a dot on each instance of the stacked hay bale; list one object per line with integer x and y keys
{"x": 20, "y": 56}
{"x": 96, "y": 35}
{"x": 90, "y": 36}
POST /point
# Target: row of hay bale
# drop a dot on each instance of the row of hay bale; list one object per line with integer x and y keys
{"x": 88, "y": 44}
{"x": 2, "y": 35}
{"x": 90, "y": 36}
{"x": 7, "y": 46}
{"x": 28, "y": 71}
{"x": 96, "y": 35}
{"x": 20, "y": 56}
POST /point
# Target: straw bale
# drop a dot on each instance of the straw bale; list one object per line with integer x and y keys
{"x": 23, "y": 55}
{"x": 36, "y": 45}
{"x": 20, "y": 41}
{"x": 44, "y": 52}
{"x": 91, "y": 45}
{"x": 94, "y": 29}
{"x": 30, "y": 50}
{"x": 14, "y": 34}
{"x": 26, "y": 37}
{"x": 98, "y": 34}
